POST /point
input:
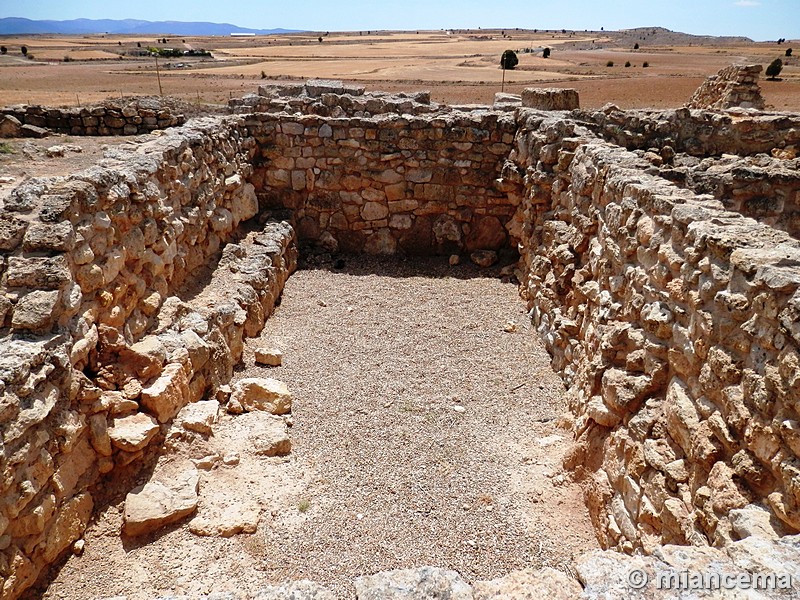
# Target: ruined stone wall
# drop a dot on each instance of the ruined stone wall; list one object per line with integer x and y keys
{"x": 97, "y": 352}
{"x": 332, "y": 99}
{"x": 130, "y": 118}
{"x": 733, "y": 86}
{"x": 674, "y": 322}
{"x": 762, "y": 187}
{"x": 676, "y": 326}
{"x": 696, "y": 132}
{"x": 390, "y": 184}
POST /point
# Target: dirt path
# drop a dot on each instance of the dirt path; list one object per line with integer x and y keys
{"x": 424, "y": 434}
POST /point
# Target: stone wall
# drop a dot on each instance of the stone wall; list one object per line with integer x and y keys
{"x": 99, "y": 351}
{"x": 113, "y": 118}
{"x": 390, "y": 184}
{"x": 675, "y": 326}
{"x": 333, "y": 99}
{"x": 696, "y": 132}
{"x": 674, "y": 321}
{"x": 762, "y": 187}
{"x": 734, "y": 86}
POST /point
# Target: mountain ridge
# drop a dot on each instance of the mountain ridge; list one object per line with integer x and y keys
{"x": 20, "y": 26}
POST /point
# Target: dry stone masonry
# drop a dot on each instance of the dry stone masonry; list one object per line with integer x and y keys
{"x": 658, "y": 256}
{"x": 99, "y": 352}
{"x": 673, "y": 322}
{"x": 112, "y": 118}
{"x": 733, "y": 86}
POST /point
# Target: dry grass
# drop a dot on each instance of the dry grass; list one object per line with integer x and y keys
{"x": 458, "y": 67}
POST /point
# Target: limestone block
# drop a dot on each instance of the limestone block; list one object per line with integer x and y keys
{"x": 373, "y": 211}
{"x": 73, "y": 516}
{"x": 155, "y": 504}
{"x": 98, "y": 429}
{"x": 681, "y": 414}
{"x": 168, "y": 394}
{"x": 271, "y": 357}
{"x": 425, "y": 582}
{"x": 381, "y": 242}
{"x": 38, "y": 273}
{"x": 483, "y": 258}
{"x": 240, "y": 516}
{"x": 199, "y": 416}
{"x": 754, "y": 520}
{"x": 10, "y": 127}
{"x": 36, "y": 311}
{"x": 144, "y": 358}
{"x": 296, "y": 590}
{"x": 12, "y": 230}
{"x": 270, "y": 436}
{"x": 269, "y": 395}
{"x": 58, "y": 237}
{"x": 550, "y": 98}
{"x": 529, "y": 585}
{"x": 133, "y": 432}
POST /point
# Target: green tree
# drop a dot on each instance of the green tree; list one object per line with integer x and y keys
{"x": 774, "y": 69}
{"x": 509, "y": 60}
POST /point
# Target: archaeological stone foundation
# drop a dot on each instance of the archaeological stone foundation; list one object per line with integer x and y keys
{"x": 658, "y": 255}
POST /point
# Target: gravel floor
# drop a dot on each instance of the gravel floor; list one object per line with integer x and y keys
{"x": 414, "y": 410}
{"x": 424, "y": 434}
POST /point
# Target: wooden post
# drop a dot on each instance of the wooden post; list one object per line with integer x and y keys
{"x": 503, "y": 86}
{"x": 158, "y": 75}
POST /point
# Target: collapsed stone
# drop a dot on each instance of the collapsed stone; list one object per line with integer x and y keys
{"x": 254, "y": 393}
{"x": 156, "y": 504}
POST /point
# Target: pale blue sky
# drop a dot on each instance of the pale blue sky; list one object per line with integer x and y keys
{"x": 758, "y": 19}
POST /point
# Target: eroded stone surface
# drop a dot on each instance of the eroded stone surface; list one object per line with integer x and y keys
{"x": 157, "y": 503}
{"x": 413, "y": 584}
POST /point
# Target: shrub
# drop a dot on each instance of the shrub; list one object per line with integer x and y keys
{"x": 5, "y": 148}
{"x": 636, "y": 46}
{"x": 628, "y": 63}
{"x": 774, "y": 69}
{"x": 263, "y": 75}
{"x": 3, "y": 50}
{"x": 610, "y": 63}
{"x": 788, "y": 52}
{"x": 67, "y": 58}
{"x": 509, "y": 59}
{"x": 546, "y": 53}
{"x": 24, "y": 51}
{"x": 645, "y": 64}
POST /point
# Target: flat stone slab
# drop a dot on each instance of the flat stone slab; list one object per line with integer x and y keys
{"x": 413, "y": 584}
{"x": 155, "y": 504}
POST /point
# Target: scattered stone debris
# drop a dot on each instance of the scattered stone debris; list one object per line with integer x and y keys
{"x": 253, "y": 393}
{"x": 59, "y": 150}
{"x": 270, "y": 357}
{"x": 484, "y": 258}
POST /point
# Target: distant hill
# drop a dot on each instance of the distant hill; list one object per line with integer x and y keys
{"x": 660, "y": 36}
{"x": 17, "y": 26}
